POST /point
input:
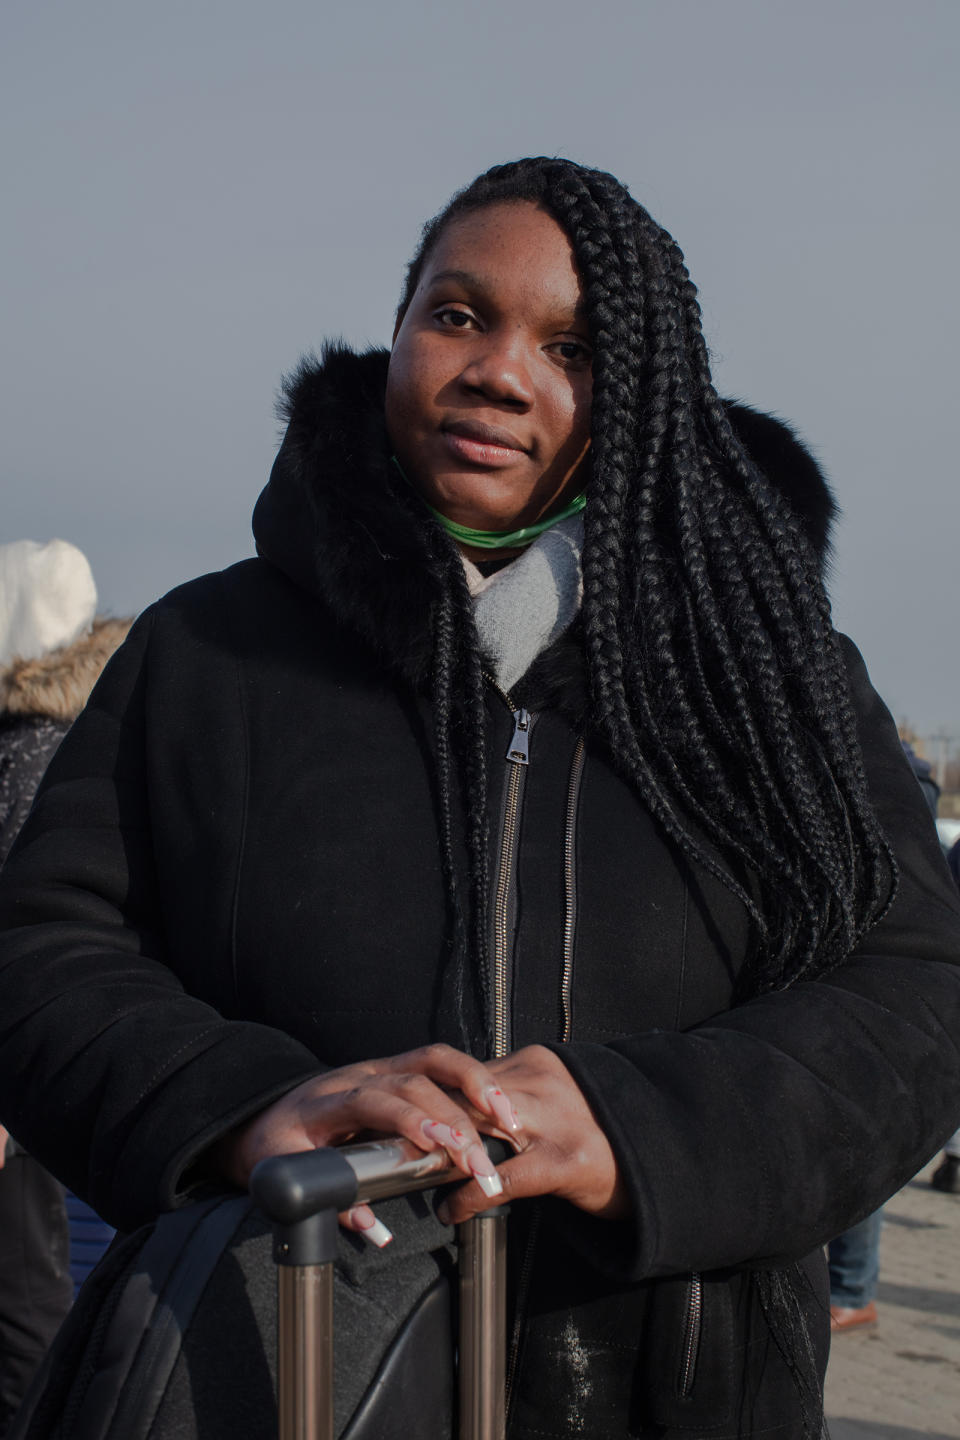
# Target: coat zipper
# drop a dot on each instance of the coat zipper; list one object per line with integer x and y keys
{"x": 518, "y": 758}
{"x": 566, "y": 1027}
{"x": 518, "y": 754}
{"x": 691, "y": 1335}
{"x": 570, "y": 887}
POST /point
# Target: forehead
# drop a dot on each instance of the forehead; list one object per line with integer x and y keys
{"x": 512, "y": 248}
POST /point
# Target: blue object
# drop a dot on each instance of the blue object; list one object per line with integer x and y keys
{"x": 855, "y": 1263}
{"x": 89, "y": 1238}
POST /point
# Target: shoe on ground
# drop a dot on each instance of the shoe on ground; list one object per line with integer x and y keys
{"x": 947, "y": 1175}
{"x": 852, "y": 1317}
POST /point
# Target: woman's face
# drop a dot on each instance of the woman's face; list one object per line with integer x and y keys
{"x": 488, "y": 391}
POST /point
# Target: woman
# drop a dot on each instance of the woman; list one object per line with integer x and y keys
{"x": 643, "y": 883}
{"x": 52, "y": 649}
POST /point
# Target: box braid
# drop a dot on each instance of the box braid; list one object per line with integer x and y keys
{"x": 472, "y": 748}
{"x": 458, "y": 713}
{"x": 716, "y": 678}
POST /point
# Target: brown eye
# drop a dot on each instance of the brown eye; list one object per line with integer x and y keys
{"x": 572, "y": 352}
{"x": 452, "y": 319}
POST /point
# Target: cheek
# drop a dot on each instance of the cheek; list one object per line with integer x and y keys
{"x": 410, "y": 386}
{"x": 571, "y": 419}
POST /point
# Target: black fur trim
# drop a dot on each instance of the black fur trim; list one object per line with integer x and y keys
{"x": 787, "y": 463}
{"x": 338, "y": 518}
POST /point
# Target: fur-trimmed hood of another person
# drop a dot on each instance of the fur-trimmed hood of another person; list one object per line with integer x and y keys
{"x": 56, "y": 686}
{"x": 39, "y": 700}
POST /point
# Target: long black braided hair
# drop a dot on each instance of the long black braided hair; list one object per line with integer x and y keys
{"x": 716, "y": 678}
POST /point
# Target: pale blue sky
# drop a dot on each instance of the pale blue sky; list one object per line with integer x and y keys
{"x": 197, "y": 193}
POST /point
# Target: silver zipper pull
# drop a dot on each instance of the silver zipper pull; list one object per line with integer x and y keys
{"x": 519, "y": 751}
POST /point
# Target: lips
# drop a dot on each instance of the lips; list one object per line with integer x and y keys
{"x": 483, "y": 434}
{"x": 480, "y": 444}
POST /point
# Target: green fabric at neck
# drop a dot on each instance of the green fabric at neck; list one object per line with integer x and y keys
{"x": 500, "y": 539}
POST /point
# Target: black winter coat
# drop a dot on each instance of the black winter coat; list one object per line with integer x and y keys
{"x": 232, "y": 879}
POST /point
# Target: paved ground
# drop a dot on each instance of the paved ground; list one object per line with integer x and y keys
{"x": 902, "y": 1380}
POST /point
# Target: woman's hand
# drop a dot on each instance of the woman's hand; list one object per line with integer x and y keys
{"x": 562, "y": 1149}
{"x": 435, "y": 1097}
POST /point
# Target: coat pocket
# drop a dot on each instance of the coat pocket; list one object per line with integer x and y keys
{"x": 688, "y": 1369}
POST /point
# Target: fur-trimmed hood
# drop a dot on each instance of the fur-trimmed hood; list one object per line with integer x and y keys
{"x": 339, "y": 520}
{"x": 58, "y": 685}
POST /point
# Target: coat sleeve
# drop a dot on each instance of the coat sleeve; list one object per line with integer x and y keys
{"x": 764, "y": 1132}
{"x": 111, "y": 1073}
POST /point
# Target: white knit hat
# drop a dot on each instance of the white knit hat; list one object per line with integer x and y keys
{"x": 47, "y": 597}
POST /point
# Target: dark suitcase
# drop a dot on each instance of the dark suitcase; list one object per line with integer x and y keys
{"x": 188, "y": 1330}
{"x": 301, "y": 1194}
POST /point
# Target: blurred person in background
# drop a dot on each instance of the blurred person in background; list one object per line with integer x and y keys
{"x": 924, "y": 773}
{"x": 52, "y": 650}
{"x": 854, "y": 1256}
{"x": 946, "y": 1177}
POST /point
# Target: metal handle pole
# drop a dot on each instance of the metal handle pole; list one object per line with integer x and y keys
{"x": 483, "y": 1326}
{"x": 301, "y": 1195}
{"x": 305, "y": 1351}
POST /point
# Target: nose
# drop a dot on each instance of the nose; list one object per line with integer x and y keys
{"x": 498, "y": 369}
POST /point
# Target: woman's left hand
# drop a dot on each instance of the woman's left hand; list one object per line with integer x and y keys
{"x": 561, "y": 1148}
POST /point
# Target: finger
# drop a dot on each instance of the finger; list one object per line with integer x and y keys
{"x": 390, "y": 1111}
{"x": 440, "y": 1119}
{"x": 501, "y": 1108}
{"x": 519, "y": 1178}
{"x": 456, "y": 1071}
{"x": 362, "y": 1221}
{"x": 488, "y": 1128}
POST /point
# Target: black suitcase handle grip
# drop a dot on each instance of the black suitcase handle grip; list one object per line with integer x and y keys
{"x": 289, "y": 1188}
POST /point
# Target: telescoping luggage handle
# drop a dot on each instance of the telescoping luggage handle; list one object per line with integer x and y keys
{"x": 301, "y": 1195}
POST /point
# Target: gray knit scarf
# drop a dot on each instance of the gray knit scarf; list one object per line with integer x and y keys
{"x": 524, "y": 607}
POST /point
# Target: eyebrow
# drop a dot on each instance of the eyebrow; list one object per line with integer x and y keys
{"x": 464, "y": 277}
{"x": 476, "y": 282}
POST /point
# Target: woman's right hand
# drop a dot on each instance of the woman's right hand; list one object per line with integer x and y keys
{"x": 404, "y": 1095}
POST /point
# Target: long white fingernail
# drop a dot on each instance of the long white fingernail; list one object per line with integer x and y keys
{"x": 378, "y": 1234}
{"x": 370, "y": 1227}
{"x": 484, "y": 1171}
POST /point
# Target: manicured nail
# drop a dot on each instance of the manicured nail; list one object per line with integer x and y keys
{"x": 443, "y": 1135}
{"x": 370, "y": 1227}
{"x": 504, "y": 1112}
{"x": 484, "y": 1171}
